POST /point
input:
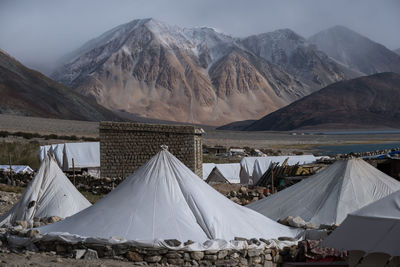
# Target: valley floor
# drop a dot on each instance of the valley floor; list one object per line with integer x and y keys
{"x": 283, "y": 141}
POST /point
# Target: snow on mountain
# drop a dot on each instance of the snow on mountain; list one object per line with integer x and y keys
{"x": 296, "y": 56}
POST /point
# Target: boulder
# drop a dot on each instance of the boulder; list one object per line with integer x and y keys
{"x": 90, "y": 255}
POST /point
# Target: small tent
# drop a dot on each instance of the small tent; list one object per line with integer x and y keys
{"x": 328, "y": 196}
{"x": 207, "y": 168}
{"x": 225, "y": 173}
{"x": 373, "y": 228}
{"x": 50, "y": 193}
{"x": 252, "y": 168}
{"x": 16, "y": 168}
{"x": 164, "y": 199}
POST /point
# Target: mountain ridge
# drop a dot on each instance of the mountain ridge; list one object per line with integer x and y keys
{"x": 27, "y": 92}
{"x": 338, "y": 106}
{"x": 194, "y": 75}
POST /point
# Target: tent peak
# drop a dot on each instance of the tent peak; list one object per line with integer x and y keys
{"x": 164, "y": 147}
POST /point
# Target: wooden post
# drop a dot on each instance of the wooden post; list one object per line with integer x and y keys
{"x": 272, "y": 182}
{"x": 73, "y": 170}
{"x": 11, "y": 170}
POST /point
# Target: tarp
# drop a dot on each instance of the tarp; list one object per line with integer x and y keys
{"x": 248, "y": 175}
{"x": 373, "y": 228}
{"x": 207, "y": 168}
{"x": 164, "y": 199}
{"x": 328, "y": 196}
{"x": 85, "y": 155}
{"x": 17, "y": 168}
{"x": 50, "y": 193}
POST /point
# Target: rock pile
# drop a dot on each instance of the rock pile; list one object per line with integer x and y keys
{"x": 143, "y": 256}
{"x": 246, "y": 195}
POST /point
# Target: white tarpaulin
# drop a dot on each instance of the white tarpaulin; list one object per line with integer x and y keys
{"x": 373, "y": 228}
{"x": 252, "y": 168}
{"x": 328, "y": 196}
{"x": 229, "y": 171}
{"x": 16, "y": 168}
{"x": 164, "y": 199}
{"x": 85, "y": 155}
{"x": 50, "y": 193}
{"x": 207, "y": 168}
{"x": 57, "y": 151}
{"x": 42, "y": 153}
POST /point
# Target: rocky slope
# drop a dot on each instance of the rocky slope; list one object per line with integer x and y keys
{"x": 296, "y": 56}
{"x": 198, "y": 75}
{"x": 365, "y": 102}
{"x": 356, "y": 51}
{"x": 27, "y": 92}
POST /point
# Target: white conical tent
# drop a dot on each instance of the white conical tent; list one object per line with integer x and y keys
{"x": 165, "y": 200}
{"x": 50, "y": 193}
{"x": 327, "y": 197}
{"x": 374, "y": 228}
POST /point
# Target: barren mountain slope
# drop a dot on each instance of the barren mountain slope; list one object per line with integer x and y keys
{"x": 27, "y": 92}
{"x": 165, "y": 72}
{"x": 293, "y": 54}
{"x": 365, "y": 102}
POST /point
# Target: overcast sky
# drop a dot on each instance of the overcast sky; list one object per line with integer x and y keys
{"x": 37, "y": 32}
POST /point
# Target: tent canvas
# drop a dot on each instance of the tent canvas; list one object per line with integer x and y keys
{"x": 57, "y": 150}
{"x": 164, "y": 199}
{"x": 252, "y": 168}
{"x": 85, "y": 155}
{"x": 373, "y": 228}
{"x": 50, "y": 193}
{"x": 42, "y": 153}
{"x": 16, "y": 168}
{"x": 328, "y": 196}
{"x": 216, "y": 177}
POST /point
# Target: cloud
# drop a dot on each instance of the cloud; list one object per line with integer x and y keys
{"x": 41, "y": 31}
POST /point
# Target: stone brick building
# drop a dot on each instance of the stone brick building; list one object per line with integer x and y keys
{"x": 125, "y": 146}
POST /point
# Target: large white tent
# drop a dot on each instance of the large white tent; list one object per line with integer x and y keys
{"x": 57, "y": 150}
{"x": 164, "y": 199}
{"x": 252, "y": 168}
{"x": 226, "y": 171}
{"x": 328, "y": 196}
{"x": 50, "y": 193}
{"x": 373, "y": 228}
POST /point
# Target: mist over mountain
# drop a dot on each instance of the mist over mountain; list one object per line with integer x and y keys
{"x": 295, "y": 55}
{"x": 356, "y": 51}
{"x": 397, "y": 51}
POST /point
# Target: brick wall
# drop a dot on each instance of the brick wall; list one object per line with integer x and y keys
{"x": 125, "y": 146}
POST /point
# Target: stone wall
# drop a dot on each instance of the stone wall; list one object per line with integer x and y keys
{"x": 124, "y": 146}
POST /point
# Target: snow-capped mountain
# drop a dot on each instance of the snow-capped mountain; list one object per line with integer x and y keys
{"x": 296, "y": 56}
{"x": 356, "y": 51}
{"x": 197, "y": 75}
